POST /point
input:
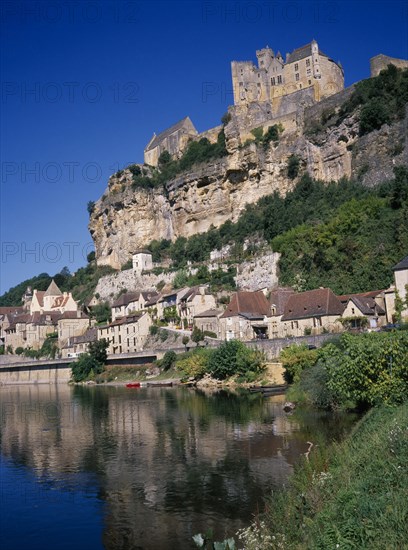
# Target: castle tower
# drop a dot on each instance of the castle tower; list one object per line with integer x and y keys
{"x": 265, "y": 58}
{"x": 315, "y": 59}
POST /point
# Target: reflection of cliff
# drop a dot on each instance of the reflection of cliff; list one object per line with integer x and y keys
{"x": 168, "y": 463}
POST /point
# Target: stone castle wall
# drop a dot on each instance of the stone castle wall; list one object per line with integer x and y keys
{"x": 381, "y": 61}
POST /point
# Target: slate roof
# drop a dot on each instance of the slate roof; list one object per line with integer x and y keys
{"x": 403, "y": 264}
{"x": 52, "y": 290}
{"x": 126, "y": 299}
{"x": 247, "y": 304}
{"x": 208, "y": 313}
{"x": 279, "y": 298}
{"x": 6, "y": 310}
{"x": 166, "y": 133}
{"x": 312, "y": 303}
{"x": 301, "y": 53}
{"x": 126, "y": 320}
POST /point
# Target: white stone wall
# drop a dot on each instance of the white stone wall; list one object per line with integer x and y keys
{"x": 262, "y": 272}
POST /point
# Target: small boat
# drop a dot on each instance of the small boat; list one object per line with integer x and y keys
{"x": 276, "y": 388}
{"x": 133, "y": 385}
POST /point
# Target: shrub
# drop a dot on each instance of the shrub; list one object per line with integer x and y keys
{"x": 295, "y": 359}
{"x": 19, "y": 350}
{"x": 210, "y": 334}
{"x": 168, "y": 360}
{"x": 234, "y": 357}
{"x": 153, "y": 330}
{"x": 293, "y": 166}
{"x": 194, "y": 364}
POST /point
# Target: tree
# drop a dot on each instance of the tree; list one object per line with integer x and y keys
{"x": 168, "y": 360}
{"x": 293, "y": 166}
{"x": 234, "y": 357}
{"x": 164, "y": 158}
{"x": 101, "y": 312}
{"x": 185, "y": 340}
{"x": 91, "y": 257}
{"x": 92, "y": 362}
{"x": 197, "y": 335}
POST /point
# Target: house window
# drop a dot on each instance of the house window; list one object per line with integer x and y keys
{"x": 273, "y": 81}
{"x": 296, "y": 66}
{"x": 297, "y": 77}
{"x": 279, "y": 79}
{"x": 310, "y": 82}
{"x": 307, "y": 62}
{"x": 309, "y": 71}
{"x": 353, "y": 311}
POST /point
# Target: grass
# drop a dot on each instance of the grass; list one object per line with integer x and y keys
{"x": 354, "y": 495}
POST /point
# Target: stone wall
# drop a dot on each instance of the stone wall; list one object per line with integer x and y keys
{"x": 381, "y": 61}
{"x": 272, "y": 348}
{"x": 109, "y": 286}
{"x": 41, "y": 373}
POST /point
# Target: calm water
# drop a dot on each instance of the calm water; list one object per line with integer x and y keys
{"x": 93, "y": 467}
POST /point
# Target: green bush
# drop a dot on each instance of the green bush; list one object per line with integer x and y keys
{"x": 168, "y": 361}
{"x": 92, "y": 363}
{"x": 194, "y": 363}
{"x": 233, "y": 358}
{"x": 153, "y": 330}
{"x": 293, "y": 166}
{"x": 295, "y": 359}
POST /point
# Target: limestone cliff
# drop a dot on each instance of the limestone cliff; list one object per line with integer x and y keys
{"x": 125, "y": 219}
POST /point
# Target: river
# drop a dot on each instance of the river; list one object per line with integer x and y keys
{"x": 117, "y": 468}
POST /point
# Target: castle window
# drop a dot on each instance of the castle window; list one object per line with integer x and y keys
{"x": 308, "y": 71}
{"x": 307, "y": 62}
{"x": 310, "y": 82}
{"x": 297, "y": 77}
{"x": 279, "y": 79}
{"x": 273, "y": 81}
{"x": 296, "y": 66}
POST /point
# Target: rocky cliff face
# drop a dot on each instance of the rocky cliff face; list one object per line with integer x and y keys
{"x": 210, "y": 194}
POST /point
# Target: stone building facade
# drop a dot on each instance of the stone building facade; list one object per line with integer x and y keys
{"x": 274, "y": 78}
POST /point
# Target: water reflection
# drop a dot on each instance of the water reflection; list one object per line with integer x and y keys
{"x": 159, "y": 464}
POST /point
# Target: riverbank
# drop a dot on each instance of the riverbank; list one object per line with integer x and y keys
{"x": 351, "y": 495}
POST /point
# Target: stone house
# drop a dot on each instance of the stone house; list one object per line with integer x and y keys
{"x": 278, "y": 299}
{"x": 246, "y": 317}
{"x": 208, "y": 320}
{"x": 77, "y": 345}
{"x": 131, "y": 302}
{"x": 51, "y": 299}
{"x": 401, "y": 284}
{"x": 71, "y": 323}
{"x": 142, "y": 261}
{"x": 170, "y": 300}
{"x": 126, "y": 334}
{"x": 196, "y": 300}
{"x": 174, "y": 140}
{"x": 6, "y": 318}
{"x": 365, "y": 307}
{"x": 313, "y": 311}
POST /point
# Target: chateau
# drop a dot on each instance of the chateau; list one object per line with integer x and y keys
{"x": 273, "y": 78}
{"x": 274, "y": 88}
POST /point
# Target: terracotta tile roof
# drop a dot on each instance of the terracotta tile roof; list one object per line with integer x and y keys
{"x": 312, "y": 303}
{"x": 247, "y": 304}
{"x": 403, "y": 264}
{"x": 6, "y": 310}
{"x": 365, "y": 302}
{"x": 279, "y": 298}
{"x": 40, "y": 296}
{"x": 125, "y": 320}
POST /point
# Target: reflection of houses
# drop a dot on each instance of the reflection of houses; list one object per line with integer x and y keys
{"x": 76, "y": 345}
{"x": 364, "y": 309}
{"x": 208, "y": 320}
{"x": 131, "y": 302}
{"x": 313, "y": 311}
{"x": 245, "y": 318}
{"x": 126, "y": 334}
{"x": 196, "y": 300}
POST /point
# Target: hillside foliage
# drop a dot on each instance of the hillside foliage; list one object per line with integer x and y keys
{"x": 342, "y": 234}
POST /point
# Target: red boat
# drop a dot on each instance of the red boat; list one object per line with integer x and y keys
{"x": 133, "y": 385}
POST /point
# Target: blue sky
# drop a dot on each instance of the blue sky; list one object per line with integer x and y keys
{"x": 86, "y": 83}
